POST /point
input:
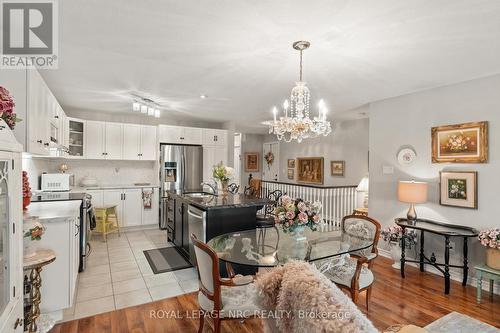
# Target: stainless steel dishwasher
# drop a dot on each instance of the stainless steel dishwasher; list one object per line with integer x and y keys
{"x": 197, "y": 225}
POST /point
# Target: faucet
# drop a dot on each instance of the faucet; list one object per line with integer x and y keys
{"x": 212, "y": 187}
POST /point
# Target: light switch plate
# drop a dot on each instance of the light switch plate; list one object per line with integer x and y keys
{"x": 388, "y": 170}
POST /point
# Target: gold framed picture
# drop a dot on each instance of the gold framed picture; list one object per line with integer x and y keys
{"x": 463, "y": 143}
{"x": 458, "y": 189}
{"x": 251, "y": 162}
{"x": 310, "y": 170}
{"x": 291, "y": 173}
{"x": 337, "y": 168}
{"x": 291, "y": 163}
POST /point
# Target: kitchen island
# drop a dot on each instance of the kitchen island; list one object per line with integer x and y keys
{"x": 207, "y": 216}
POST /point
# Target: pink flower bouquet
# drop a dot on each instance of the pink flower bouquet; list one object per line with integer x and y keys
{"x": 294, "y": 213}
{"x": 490, "y": 238}
{"x": 7, "y": 108}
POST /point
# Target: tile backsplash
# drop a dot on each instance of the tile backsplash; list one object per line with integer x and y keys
{"x": 106, "y": 172}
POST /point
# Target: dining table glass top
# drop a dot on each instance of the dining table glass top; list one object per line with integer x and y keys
{"x": 269, "y": 247}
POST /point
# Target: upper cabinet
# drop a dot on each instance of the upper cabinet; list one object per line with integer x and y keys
{"x": 182, "y": 135}
{"x": 75, "y": 137}
{"x": 139, "y": 142}
{"x": 103, "y": 140}
{"x": 214, "y": 137}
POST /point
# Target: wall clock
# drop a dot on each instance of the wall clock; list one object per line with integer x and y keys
{"x": 406, "y": 156}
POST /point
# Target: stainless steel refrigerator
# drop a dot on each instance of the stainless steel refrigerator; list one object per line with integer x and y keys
{"x": 181, "y": 168}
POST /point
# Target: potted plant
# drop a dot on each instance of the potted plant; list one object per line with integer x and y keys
{"x": 32, "y": 231}
{"x": 294, "y": 215}
{"x": 393, "y": 236}
{"x": 223, "y": 174}
{"x": 490, "y": 238}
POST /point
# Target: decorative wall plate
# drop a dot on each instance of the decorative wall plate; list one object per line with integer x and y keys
{"x": 406, "y": 156}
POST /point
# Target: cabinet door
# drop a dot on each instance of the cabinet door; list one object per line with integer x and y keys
{"x": 97, "y": 198}
{"x": 131, "y": 142}
{"x": 132, "y": 207}
{"x": 74, "y": 236}
{"x": 208, "y": 162}
{"x": 220, "y": 155}
{"x": 193, "y": 136}
{"x": 149, "y": 144}
{"x": 220, "y": 137}
{"x": 35, "y": 106}
{"x": 208, "y": 136}
{"x": 94, "y": 140}
{"x": 150, "y": 215}
{"x": 170, "y": 134}
{"x": 113, "y": 141}
{"x": 114, "y": 198}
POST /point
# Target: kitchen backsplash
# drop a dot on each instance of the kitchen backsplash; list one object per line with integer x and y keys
{"x": 106, "y": 172}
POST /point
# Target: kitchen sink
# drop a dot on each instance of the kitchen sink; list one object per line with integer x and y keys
{"x": 199, "y": 195}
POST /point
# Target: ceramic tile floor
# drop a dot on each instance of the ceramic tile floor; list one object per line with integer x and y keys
{"x": 118, "y": 275}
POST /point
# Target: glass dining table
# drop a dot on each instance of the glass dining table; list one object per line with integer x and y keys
{"x": 273, "y": 247}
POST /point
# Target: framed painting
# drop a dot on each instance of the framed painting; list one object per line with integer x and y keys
{"x": 291, "y": 173}
{"x": 463, "y": 143}
{"x": 252, "y": 162}
{"x": 337, "y": 168}
{"x": 458, "y": 189}
{"x": 291, "y": 163}
{"x": 310, "y": 170}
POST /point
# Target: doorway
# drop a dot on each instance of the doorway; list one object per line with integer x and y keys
{"x": 237, "y": 158}
{"x": 270, "y": 171}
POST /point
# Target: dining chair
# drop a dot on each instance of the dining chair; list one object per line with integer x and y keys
{"x": 233, "y": 188}
{"x": 249, "y": 191}
{"x": 266, "y": 220}
{"x": 221, "y": 298}
{"x": 354, "y": 272}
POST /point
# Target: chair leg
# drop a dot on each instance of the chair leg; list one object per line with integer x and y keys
{"x": 354, "y": 295}
{"x": 368, "y": 295}
{"x": 217, "y": 325}
{"x": 202, "y": 321}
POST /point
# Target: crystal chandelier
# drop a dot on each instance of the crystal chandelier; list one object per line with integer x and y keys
{"x": 298, "y": 125}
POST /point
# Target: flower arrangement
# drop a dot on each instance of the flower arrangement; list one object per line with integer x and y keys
{"x": 394, "y": 234}
{"x": 490, "y": 238}
{"x": 7, "y": 108}
{"x": 35, "y": 233}
{"x": 222, "y": 173}
{"x": 269, "y": 157}
{"x": 26, "y": 190}
{"x": 296, "y": 213}
{"x": 459, "y": 143}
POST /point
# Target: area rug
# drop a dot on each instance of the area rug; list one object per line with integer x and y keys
{"x": 459, "y": 323}
{"x": 166, "y": 259}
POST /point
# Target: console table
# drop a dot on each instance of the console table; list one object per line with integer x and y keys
{"x": 443, "y": 229}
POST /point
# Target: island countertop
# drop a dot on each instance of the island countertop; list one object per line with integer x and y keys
{"x": 219, "y": 201}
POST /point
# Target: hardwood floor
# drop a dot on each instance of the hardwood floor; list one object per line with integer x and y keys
{"x": 418, "y": 300}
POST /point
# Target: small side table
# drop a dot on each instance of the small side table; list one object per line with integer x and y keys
{"x": 35, "y": 264}
{"x": 489, "y": 274}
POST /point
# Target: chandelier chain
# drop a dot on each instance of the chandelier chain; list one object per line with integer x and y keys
{"x": 300, "y": 66}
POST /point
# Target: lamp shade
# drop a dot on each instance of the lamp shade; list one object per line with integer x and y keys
{"x": 363, "y": 185}
{"x": 412, "y": 192}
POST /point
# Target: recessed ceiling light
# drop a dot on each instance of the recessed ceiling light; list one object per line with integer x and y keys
{"x": 203, "y": 96}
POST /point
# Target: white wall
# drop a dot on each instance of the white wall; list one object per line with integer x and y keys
{"x": 407, "y": 120}
{"x": 348, "y": 142}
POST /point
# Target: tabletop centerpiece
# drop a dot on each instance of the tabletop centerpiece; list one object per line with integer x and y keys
{"x": 223, "y": 174}
{"x": 294, "y": 215}
{"x": 490, "y": 238}
{"x": 393, "y": 236}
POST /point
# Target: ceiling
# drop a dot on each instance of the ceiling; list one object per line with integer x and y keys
{"x": 239, "y": 53}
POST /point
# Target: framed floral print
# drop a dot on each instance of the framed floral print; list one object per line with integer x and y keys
{"x": 291, "y": 163}
{"x": 252, "y": 162}
{"x": 310, "y": 170}
{"x": 458, "y": 189}
{"x": 463, "y": 143}
{"x": 337, "y": 168}
{"x": 291, "y": 173}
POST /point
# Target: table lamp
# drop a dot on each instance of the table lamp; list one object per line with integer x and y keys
{"x": 412, "y": 192}
{"x": 363, "y": 187}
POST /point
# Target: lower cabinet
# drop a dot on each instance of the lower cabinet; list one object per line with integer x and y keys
{"x": 129, "y": 203}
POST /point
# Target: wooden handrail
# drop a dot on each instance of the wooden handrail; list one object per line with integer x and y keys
{"x": 308, "y": 185}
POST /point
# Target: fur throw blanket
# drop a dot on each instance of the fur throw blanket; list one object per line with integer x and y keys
{"x": 301, "y": 299}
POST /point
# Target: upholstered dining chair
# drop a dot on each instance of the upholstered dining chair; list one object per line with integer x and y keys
{"x": 249, "y": 191}
{"x": 353, "y": 272}
{"x": 233, "y": 188}
{"x": 221, "y": 298}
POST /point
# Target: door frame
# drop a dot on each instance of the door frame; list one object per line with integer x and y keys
{"x": 276, "y": 159}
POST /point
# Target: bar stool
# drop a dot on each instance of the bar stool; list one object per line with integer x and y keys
{"x": 107, "y": 221}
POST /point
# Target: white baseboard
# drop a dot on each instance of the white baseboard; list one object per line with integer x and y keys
{"x": 456, "y": 276}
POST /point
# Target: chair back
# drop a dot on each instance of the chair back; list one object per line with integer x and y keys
{"x": 256, "y": 184}
{"x": 233, "y": 188}
{"x": 274, "y": 198}
{"x": 249, "y": 191}
{"x": 207, "y": 263}
{"x": 362, "y": 227}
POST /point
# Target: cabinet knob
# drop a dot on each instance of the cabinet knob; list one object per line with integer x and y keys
{"x": 39, "y": 141}
{"x": 57, "y": 117}
{"x": 18, "y": 323}
{"x": 46, "y": 144}
{"x": 2, "y": 127}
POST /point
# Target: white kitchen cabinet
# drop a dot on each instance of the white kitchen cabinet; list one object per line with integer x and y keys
{"x": 214, "y": 137}
{"x": 212, "y": 155}
{"x": 76, "y": 130}
{"x": 150, "y": 215}
{"x": 182, "y": 135}
{"x": 97, "y": 198}
{"x": 113, "y": 141}
{"x": 149, "y": 143}
{"x": 38, "y": 136}
{"x": 132, "y": 207}
{"x": 113, "y": 198}
{"x": 131, "y": 142}
{"x": 94, "y": 139}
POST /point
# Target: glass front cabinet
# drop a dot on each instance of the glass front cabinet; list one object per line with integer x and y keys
{"x": 11, "y": 293}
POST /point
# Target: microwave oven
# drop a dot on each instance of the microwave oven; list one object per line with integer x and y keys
{"x": 55, "y": 182}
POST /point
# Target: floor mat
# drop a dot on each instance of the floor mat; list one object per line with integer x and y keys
{"x": 166, "y": 259}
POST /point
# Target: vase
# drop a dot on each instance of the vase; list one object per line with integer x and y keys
{"x": 26, "y": 202}
{"x": 493, "y": 258}
{"x": 224, "y": 187}
{"x": 298, "y": 233}
{"x": 396, "y": 255}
